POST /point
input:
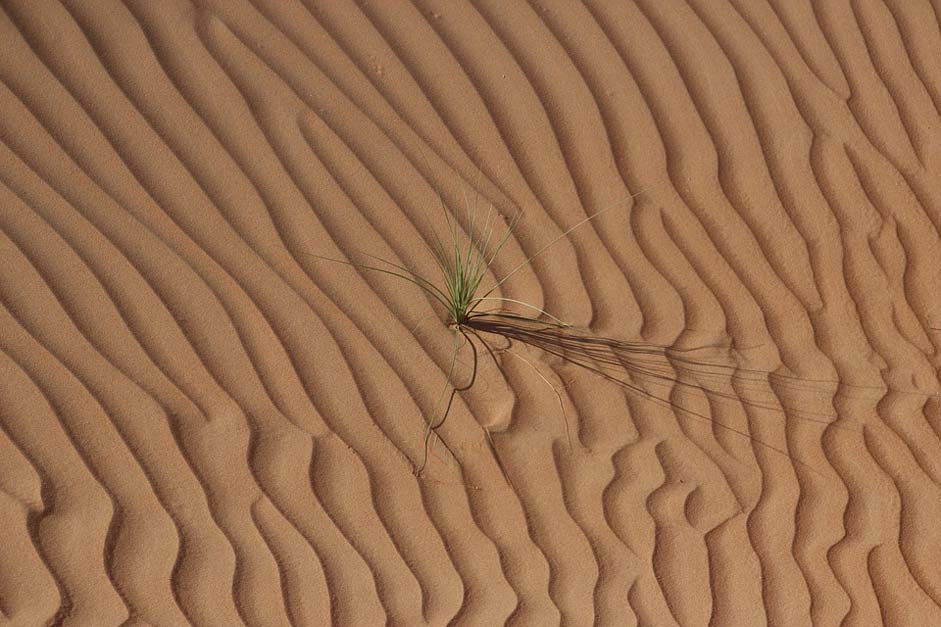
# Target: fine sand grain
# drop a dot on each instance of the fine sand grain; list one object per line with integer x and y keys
{"x": 202, "y": 423}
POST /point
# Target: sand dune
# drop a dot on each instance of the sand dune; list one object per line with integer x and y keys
{"x": 204, "y": 423}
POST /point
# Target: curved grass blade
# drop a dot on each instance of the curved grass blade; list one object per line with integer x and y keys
{"x": 530, "y": 259}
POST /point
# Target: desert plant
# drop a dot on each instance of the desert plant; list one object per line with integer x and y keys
{"x": 462, "y": 269}
{"x": 459, "y": 290}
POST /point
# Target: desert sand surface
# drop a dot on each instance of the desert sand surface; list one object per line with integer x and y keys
{"x": 204, "y": 422}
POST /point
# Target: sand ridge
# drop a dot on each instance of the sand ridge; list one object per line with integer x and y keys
{"x": 201, "y": 423}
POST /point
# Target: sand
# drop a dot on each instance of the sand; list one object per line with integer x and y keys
{"x": 204, "y": 423}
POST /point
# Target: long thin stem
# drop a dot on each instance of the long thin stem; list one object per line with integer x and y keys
{"x": 530, "y": 259}
{"x": 431, "y": 427}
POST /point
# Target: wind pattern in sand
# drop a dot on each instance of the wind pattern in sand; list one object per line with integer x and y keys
{"x": 201, "y": 424}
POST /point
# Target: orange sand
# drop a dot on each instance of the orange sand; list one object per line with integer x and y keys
{"x": 202, "y": 424}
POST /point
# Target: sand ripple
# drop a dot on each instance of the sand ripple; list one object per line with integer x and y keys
{"x": 203, "y": 424}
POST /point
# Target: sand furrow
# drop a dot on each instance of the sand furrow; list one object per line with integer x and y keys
{"x": 870, "y": 103}
{"x": 79, "y": 303}
{"x": 800, "y": 33}
{"x": 29, "y": 590}
{"x": 205, "y": 422}
{"x": 183, "y": 411}
{"x": 70, "y": 526}
{"x": 917, "y": 503}
{"x": 247, "y": 549}
{"x": 601, "y": 70}
{"x": 133, "y": 431}
{"x": 920, "y": 42}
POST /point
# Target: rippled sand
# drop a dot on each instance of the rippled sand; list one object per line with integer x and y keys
{"x": 202, "y": 422}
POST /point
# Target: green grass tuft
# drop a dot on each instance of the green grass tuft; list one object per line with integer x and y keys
{"x": 462, "y": 268}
